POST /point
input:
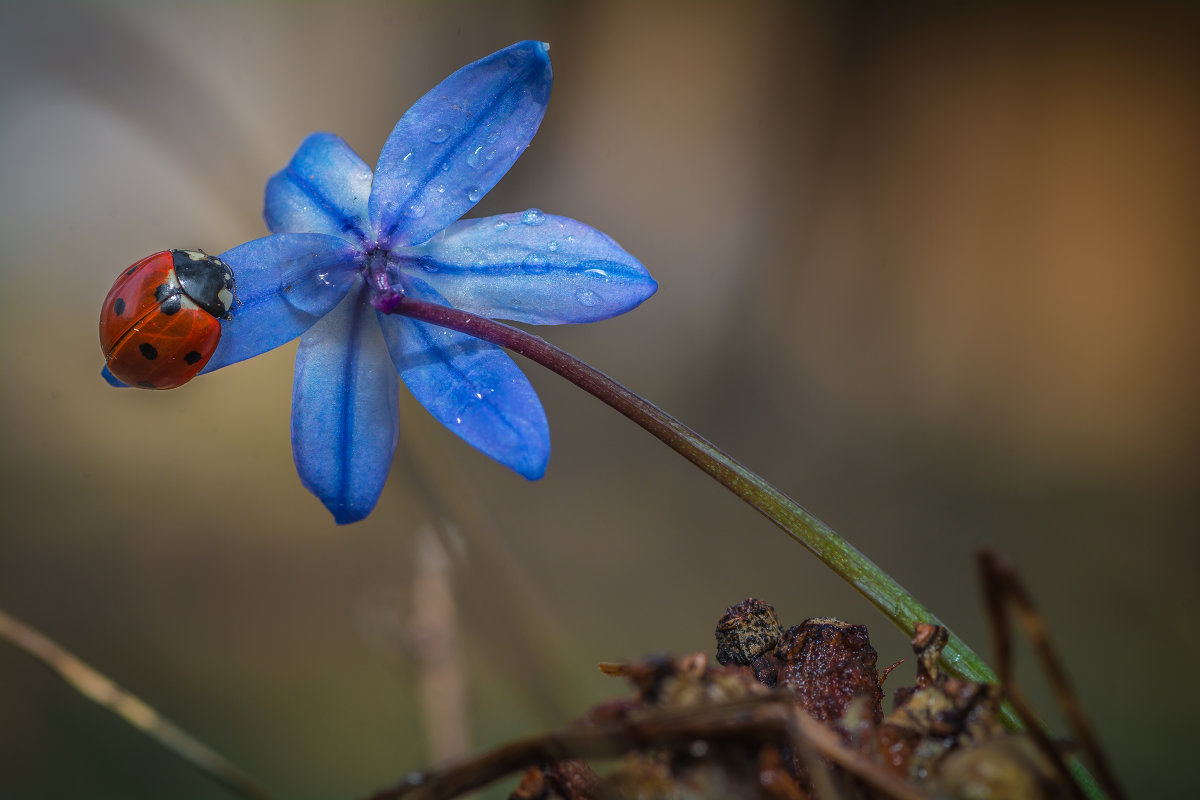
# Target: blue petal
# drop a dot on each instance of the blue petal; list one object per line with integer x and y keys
{"x": 453, "y": 146}
{"x": 345, "y": 413}
{"x": 282, "y": 285}
{"x": 113, "y": 380}
{"x": 323, "y": 189}
{"x": 529, "y": 267}
{"x": 471, "y": 387}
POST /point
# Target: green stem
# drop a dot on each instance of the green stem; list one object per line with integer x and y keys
{"x": 796, "y": 521}
{"x": 835, "y": 552}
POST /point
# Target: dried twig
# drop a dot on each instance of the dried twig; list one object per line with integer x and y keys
{"x": 1003, "y": 589}
{"x": 768, "y": 719}
{"x": 102, "y": 691}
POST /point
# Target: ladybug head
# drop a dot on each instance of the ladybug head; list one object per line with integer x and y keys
{"x": 206, "y": 280}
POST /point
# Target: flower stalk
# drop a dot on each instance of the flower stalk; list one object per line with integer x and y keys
{"x": 892, "y": 599}
{"x": 896, "y": 603}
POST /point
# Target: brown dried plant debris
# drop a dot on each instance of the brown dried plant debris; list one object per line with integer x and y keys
{"x": 787, "y": 715}
{"x": 943, "y": 735}
{"x": 565, "y": 780}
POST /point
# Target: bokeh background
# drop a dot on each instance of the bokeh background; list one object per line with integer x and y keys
{"x": 931, "y": 270}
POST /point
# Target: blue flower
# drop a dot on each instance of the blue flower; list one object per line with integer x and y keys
{"x": 343, "y": 235}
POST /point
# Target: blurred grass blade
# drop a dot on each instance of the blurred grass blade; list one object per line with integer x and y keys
{"x": 102, "y": 691}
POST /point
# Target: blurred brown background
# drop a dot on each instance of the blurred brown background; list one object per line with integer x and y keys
{"x": 931, "y": 271}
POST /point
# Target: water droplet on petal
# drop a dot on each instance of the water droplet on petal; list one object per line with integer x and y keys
{"x": 553, "y": 246}
{"x": 441, "y": 189}
{"x": 474, "y": 193}
{"x": 416, "y": 210}
{"x": 501, "y": 225}
{"x": 587, "y": 297}
{"x": 533, "y": 216}
{"x": 475, "y": 159}
{"x": 439, "y": 134}
{"x": 596, "y": 273}
{"x": 535, "y": 262}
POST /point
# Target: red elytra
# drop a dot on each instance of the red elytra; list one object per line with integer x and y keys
{"x": 161, "y": 321}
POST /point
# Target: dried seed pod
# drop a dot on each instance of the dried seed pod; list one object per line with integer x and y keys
{"x": 747, "y": 631}
{"x": 827, "y": 663}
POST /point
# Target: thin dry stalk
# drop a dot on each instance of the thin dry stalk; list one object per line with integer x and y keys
{"x": 438, "y": 652}
{"x": 102, "y": 691}
{"x": 1003, "y": 589}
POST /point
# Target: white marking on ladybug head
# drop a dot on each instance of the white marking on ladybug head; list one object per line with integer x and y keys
{"x": 195, "y": 255}
{"x": 226, "y": 298}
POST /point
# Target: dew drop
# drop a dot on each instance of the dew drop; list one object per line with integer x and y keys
{"x": 439, "y": 134}
{"x": 553, "y": 246}
{"x": 474, "y": 193}
{"x": 501, "y": 225}
{"x": 475, "y": 159}
{"x": 533, "y": 216}
{"x": 416, "y": 210}
{"x": 596, "y": 273}
{"x": 587, "y": 297}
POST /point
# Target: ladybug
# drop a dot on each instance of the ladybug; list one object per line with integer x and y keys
{"x": 161, "y": 321}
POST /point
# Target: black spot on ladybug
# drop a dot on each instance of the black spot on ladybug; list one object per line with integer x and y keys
{"x": 146, "y": 385}
{"x": 119, "y": 306}
{"x": 163, "y": 292}
{"x": 149, "y": 352}
{"x": 192, "y": 357}
{"x": 171, "y": 305}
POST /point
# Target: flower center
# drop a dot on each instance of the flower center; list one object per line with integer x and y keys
{"x": 383, "y": 280}
{"x": 378, "y": 273}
